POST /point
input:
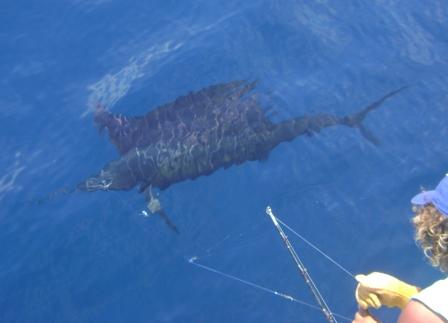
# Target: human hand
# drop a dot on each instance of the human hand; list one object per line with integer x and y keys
{"x": 363, "y": 316}
{"x": 378, "y": 289}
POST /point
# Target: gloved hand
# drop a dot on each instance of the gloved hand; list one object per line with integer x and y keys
{"x": 378, "y": 289}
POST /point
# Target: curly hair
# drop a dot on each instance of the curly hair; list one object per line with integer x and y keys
{"x": 431, "y": 233}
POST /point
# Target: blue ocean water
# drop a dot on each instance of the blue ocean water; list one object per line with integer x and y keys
{"x": 93, "y": 257}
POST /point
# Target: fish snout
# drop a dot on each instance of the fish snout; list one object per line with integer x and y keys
{"x": 96, "y": 183}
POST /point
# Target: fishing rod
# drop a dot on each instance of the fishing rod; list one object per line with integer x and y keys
{"x": 303, "y": 271}
{"x": 193, "y": 261}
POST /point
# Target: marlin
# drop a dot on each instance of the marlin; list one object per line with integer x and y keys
{"x": 217, "y": 127}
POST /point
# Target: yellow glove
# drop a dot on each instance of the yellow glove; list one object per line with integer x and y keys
{"x": 378, "y": 289}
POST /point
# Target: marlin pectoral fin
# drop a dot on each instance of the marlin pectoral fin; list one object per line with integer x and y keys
{"x": 168, "y": 222}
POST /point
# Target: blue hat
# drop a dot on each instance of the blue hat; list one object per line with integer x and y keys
{"x": 438, "y": 197}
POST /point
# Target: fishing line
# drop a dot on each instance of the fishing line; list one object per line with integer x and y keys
{"x": 211, "y": 250}
{"x": 220, "y": 242}
{"x": 235, "y": 241}
{"x": 317, "y": 249}
{"x": 193, "y": 261}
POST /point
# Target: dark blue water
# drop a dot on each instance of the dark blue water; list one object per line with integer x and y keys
{"x": 92, "y": 257}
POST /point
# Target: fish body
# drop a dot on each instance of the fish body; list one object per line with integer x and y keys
{"x": 197, "y": 134}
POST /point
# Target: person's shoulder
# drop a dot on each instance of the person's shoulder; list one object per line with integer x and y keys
{"x": 416, "y": 312}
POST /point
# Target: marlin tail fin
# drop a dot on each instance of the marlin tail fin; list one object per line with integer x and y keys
{"x": 355, "y": 120}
